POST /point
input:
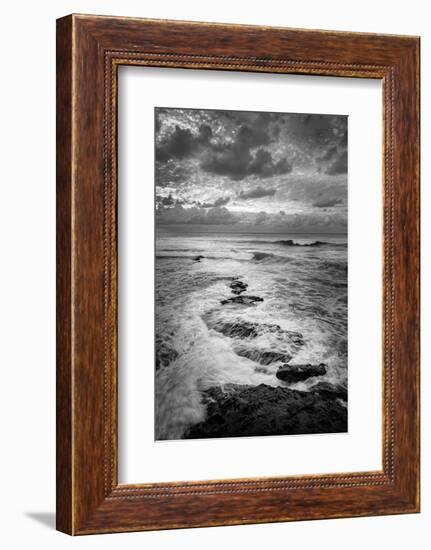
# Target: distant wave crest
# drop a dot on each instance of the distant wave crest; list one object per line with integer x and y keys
{"x": 191, "y": 258}
{"x": 269, "y": 257}
{"x": 291, "y": 242}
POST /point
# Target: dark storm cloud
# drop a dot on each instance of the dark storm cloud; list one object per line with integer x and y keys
{"x": 228, "y": 160}
{"x": 157, "y": 123}
{"x": 171, "y": 174}
{"x": 263, "y": 165}
{"x": 256, "y": 133}
{"x": 326, "y": 203}
{"x": 330, "y": 135}
{"x": 319, "y": 130}
{"x": 237, "y": 162}
{"x": 323, "y": 137}
{"x": 237, "y": 157}
{"x": 343, "y": 136}
{"x": 221, "y": 201}
{"x": 257, "y": 193}
{"x": 329, "y": 154}
{"x": 167, "y": 201}
{"x": 275, "y": 134}
{"x": 338, "y": 165}
{"x": 182, "y": 143}
{"x": 213, "y": 216}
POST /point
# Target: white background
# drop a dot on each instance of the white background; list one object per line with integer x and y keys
{"x": 27, "y": 273}
{"x": 141, "y": 458}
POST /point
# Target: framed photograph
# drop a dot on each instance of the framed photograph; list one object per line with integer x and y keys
{"x": 237, "y": 274}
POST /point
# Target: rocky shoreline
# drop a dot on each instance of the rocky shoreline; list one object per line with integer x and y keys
{"x": 237, "y": 410}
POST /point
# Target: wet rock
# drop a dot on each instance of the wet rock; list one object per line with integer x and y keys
{"x": 263, "y": 357}
{"x": 240, "y": 329}
{"x": 241, "y": 410}
{"x": 294, "y": 337}
{"x": 297, "y": 373}
{"x": 332, "y": 391}
{"x": 290, "y": 242}
{"x": 259, "y": 256}
{"x": 262, "y": 370}
{"x": 244, "y": 300}
{"x": 238, "y": 287}
{"x": 198, "y": 258}
{"x": 247, "y": 329}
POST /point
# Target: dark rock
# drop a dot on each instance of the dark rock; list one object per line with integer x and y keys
{"x": 236, "y": 410}
{"x": 164, "y": 355}
{"x": 238, "y": 283}
{"x": 240, "y": 329}
{"x": 296, "y": 373}
{"x": 242, "y": 300}
{"x": 294, "y": 337}
{"x": 238, "y": 287}
{"x": 261, "y": 369}
{"x": 290, "y": 242}
{"x": 287, "y": 242}
{"x": 263, "y": 357}
{"x": 247, "y": 329}
{"x": 198, "y": 258}
{"x": 332, "y": 391}
{"x": 259, "y": 256}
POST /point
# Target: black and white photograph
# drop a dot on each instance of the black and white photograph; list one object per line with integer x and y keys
{"x": 250, "y": 273}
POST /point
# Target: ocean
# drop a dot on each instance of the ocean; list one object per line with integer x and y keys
{"x": 298, "y": 283}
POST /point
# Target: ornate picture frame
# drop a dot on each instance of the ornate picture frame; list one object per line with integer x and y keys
{"x": 89, "y": 51}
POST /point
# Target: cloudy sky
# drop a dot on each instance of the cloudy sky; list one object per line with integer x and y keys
{"x": 250, "y": 171}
